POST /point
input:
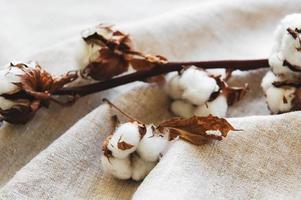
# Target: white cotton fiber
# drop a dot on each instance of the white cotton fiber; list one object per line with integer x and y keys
{"x": 280, "y": 99}
{"x": 86, "y": 54}
{"x": 140, "y": 167}
{"x": 217, "y": 107}
{"x": 197, "y": 85}
{"x": 152, "y": 145}
{"x": 287, "y": 48}
{"x": 172, "y": 86}
{"x": 8, "y": 76}
{"x": 128, "y": 133}
{"x": 119, "y": 168}
{"x": 276, "y": 62}
{"x": 268, "y": 80}
{"x": 182, "y": 108}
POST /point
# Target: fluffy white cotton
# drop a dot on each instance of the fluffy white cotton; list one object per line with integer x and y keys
{"x": 140, "y": 167}
{"x": 283, "y": 72}
{"x": 217, "y": 107}
{"x": 128, "y": 133}
{"x": 268, "y": 80}
{"x": 182, "y": 108}
{"x": 119, "y": 168}
{"x": 285, "y": 48}
{"x": 292, "y": 21}
{"x": 289, "y": 50}
{"x": 280, "y": 99}
{"x": 197, "y": 85}
{"x": 172, "y": 86}
{"x": 152, "y": 145}
{"x": 8, "y": 76}
{"x": 88, "y": 53}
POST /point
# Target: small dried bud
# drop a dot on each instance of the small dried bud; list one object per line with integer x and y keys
{"x": 25, "y": 88}
{"x": 110, "y": 53}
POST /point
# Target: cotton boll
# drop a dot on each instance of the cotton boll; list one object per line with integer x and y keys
{"x": 197, "y": 85}
{"x": 152, "y": 145}
{"x": 172, "y": 85}
{"x": 217, "y": 107}
{"x": 280, "y": 99}
{"x": 293, "y": 21}
{"x": 289, "y": 50}
{"x": 286, "y": 46}
{"x": 140, "y": 167}
{"x": 119, "y": 168}
{"x": 128, "y": 133}
{"x": 182, "y": 108}
{"x": 90, "y": 52}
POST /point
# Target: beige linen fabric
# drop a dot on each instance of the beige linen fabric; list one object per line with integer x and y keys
{"x": 36, "y": 162}
{"x": 262, "y": 162}
{"x": 70, "y": 168}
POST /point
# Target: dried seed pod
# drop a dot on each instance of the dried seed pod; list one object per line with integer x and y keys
{"x": 105, "y": 52}
{"x": 25, "y": 88}
{"x": 109, "y": 52}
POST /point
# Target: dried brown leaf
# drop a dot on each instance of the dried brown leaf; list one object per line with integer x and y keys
{"x": 142, "y": 130}
{"x": 195, "y": 128}
{"x": 235, "y": 94}
{"x": 123, "y": 145}
{"x": 145, "y": 62}
{"x": 105, "y": 148}
{"x": 113, "y": 53}
{"x": 108, "y": 64}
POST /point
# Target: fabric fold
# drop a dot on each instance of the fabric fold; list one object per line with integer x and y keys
{"x": 70, "y": 167}
{"x": 260, "y": 162}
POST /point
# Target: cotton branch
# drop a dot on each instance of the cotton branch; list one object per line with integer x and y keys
{"x": 159, "y": 69}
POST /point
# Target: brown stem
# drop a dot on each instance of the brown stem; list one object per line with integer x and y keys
{"x": 242, "y": 65}
{"x": 121, "y": 111}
